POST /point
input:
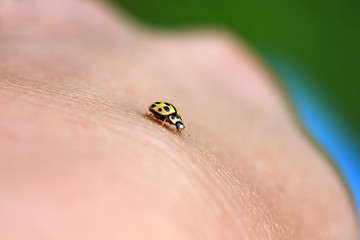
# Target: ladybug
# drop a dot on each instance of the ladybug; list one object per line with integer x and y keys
{"x": 166, "y": 112}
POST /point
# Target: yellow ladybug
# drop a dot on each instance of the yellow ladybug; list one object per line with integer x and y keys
{"x": 166, "y": 112}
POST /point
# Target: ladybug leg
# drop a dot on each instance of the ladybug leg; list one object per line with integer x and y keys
{"x": 162, "y": 123}
{"x": 147, "y": 115}
{"x": 176, "y": 132}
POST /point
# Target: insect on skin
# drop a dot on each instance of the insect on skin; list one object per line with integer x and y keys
{"x": 166, "y": 112}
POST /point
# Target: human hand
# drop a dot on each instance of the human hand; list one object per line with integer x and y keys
{"x": 78, "y": 160}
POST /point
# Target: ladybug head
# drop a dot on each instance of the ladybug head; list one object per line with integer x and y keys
{"x": 179, "y": 126}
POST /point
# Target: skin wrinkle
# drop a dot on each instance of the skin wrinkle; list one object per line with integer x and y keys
{"x": 104, "y": 108}
{"x": 243, "y": 193}
{"x": 263, "y": 131}
{"x": 86, "y": 99}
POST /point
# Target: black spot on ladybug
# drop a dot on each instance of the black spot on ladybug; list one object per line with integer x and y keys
{"x": 152, "y": 106}
{"x": 166, "y": 108}
{"x": 168, "y": 104}
{"x": 159, "y": 109}
{"x": 157, "y": 102}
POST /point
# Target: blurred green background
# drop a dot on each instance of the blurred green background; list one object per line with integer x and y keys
{"x": 313, "y": 47}
{"x": 321, "y": 38}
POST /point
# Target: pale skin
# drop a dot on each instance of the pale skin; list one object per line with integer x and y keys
{"x": 78, "y": 159}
